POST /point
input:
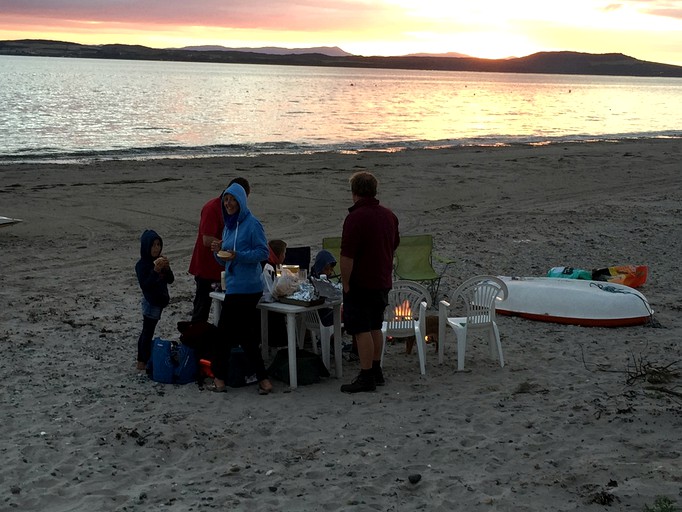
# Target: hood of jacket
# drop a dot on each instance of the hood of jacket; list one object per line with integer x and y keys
{"x": 146, "y": 241}
{"x": 322, "y": 258}
{"x": 238, "y": 192}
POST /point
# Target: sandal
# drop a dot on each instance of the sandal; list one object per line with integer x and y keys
{"x": 216, "y": 387}
{"x": 264, "y": 387}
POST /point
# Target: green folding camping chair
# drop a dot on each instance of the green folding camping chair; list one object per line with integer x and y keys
{"x": 333, "y": 245}
{"x": 414, "y": 262}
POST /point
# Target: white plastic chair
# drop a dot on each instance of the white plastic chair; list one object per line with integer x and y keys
{"x": 312, "y": 322}
{"x": 479, "y": 295}
{"x": 406, "y": 321}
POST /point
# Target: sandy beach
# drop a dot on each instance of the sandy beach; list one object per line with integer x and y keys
{"x": 568, "y": 424}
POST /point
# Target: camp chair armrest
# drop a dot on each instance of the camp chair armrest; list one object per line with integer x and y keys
{"x": 445, "y": 262}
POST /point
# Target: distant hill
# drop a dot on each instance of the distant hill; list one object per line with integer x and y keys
{"x": 332, "y": 51}
{"x": 452, "y": 55}
{"x": 571, "y": 63}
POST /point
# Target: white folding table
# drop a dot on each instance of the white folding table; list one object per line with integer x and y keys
{"x": 295, "y": 328}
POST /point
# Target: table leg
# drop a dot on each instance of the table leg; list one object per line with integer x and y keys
{"x": 300, "y": 332}
{"x": 217, "y": 309}
{"x": 291, "y": 340}
{"x": 337, "y": 341}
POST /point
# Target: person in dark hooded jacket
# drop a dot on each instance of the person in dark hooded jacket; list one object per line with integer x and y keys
{"x": 324, "y": 265}
{"x": 154, "y": 275}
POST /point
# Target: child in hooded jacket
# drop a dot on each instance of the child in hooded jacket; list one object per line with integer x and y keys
{"x": 154, "y": 275}
{"x": 324, "y": 265}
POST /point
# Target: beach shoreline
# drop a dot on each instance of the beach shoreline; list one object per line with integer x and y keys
{"x": 563, "y": 426}
{"x": 289, "y": 150}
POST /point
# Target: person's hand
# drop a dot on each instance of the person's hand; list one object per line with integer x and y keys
{"x": 226, "y": 255}
{"x": 215, "y": 245}
{"x": 161, "y": 263}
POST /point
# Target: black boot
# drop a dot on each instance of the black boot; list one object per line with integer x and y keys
{"x": 378, "y": 373}
{"x": 363, "y": 382}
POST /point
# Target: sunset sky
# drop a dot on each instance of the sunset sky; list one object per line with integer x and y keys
{"x": 644, "y": 29}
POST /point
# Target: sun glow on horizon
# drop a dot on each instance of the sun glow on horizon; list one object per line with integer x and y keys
{"x": 485, "y": 29}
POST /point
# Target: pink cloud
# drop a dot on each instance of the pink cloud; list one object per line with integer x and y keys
{"x": 663, "y": 8}
{"x": 306, "y": 15}
{"x": 666, "y": 13}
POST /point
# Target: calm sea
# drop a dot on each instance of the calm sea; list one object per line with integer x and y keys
{"x": 54, "y": 109}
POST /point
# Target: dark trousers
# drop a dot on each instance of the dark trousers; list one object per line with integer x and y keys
{"x": 202, "y": 300}
{"x": 326, "y": 316}
{"x": 277, "y": 330}
{"x": 144, "y": 342}
{"x": 240, "y": 325}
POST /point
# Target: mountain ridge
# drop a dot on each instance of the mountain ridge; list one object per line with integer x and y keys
{"x": 561, "y": 62}
{"x": 332, "y": 51}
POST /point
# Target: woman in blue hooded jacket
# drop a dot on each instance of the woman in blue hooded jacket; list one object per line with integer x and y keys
{"x": 244, "y": 247}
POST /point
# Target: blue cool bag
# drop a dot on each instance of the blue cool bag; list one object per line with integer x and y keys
{"x": 187, "y": 365}
{"x": 172, "y": 363}
{"x": 162, "y": 361}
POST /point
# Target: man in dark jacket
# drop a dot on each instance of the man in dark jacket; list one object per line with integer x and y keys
{"x": 369, "y": 239}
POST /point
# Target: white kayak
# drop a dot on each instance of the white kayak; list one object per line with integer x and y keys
{"x": 8, "y": 221}
{"x": 577, "y": 302}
